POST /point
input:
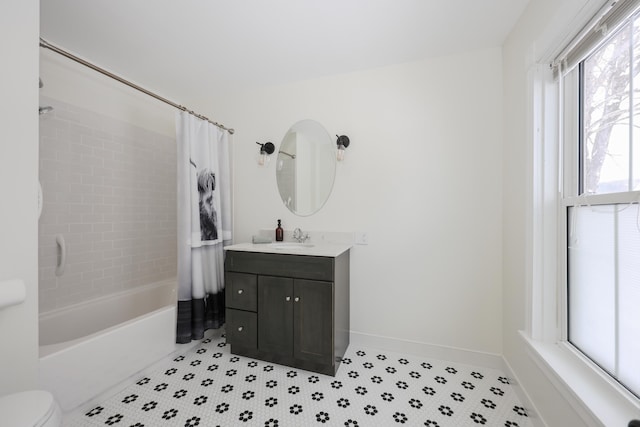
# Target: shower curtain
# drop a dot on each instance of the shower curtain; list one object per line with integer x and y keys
{"x": 204, "y": 224}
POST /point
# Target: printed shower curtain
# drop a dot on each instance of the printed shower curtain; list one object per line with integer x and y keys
{"x": 204, "y": 224}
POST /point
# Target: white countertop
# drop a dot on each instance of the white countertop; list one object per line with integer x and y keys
{"x": 292, "y": 248}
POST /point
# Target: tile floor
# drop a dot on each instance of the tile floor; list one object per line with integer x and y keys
{"x": 207, "y": 386}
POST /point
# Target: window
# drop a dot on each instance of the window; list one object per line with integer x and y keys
{"x": 609, "y": 114}
{"x": 601, "y": 192}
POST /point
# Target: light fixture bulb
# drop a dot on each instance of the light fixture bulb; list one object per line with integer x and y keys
{"x": 264, "y": 158}
{"x": 264, "y": 154}
{"x": 342, "y": 142}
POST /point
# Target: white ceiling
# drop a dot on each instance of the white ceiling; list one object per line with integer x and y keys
{"x": 188, "y": 49}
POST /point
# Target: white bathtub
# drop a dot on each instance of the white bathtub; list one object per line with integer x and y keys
{"x": 88, "y": 348}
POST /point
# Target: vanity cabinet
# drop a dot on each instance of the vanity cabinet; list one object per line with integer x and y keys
{"x": 288, "y": 309}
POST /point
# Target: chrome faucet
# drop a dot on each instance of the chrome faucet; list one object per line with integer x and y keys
{"x": 299, "y": 236}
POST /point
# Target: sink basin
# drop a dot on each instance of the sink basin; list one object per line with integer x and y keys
{"x": 291, "y": 245}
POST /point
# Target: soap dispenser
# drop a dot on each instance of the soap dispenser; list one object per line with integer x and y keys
{"x": 279, "y": 232}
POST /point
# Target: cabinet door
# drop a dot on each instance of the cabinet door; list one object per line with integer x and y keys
{"x": 241, "y": 291}
{"x": 241, "y": 330}
{"x": 275, "y": 315}
{"x": 313, "y": 321}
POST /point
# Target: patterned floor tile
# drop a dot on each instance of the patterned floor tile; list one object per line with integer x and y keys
{"x": 207, "y": 386}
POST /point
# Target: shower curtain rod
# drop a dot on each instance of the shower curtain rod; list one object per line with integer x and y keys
{"x": 45, "y": 44}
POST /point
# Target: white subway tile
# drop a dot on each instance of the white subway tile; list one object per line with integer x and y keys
{"x": 52, "y": 229}
{"x": 80, "y": 228}
{"x": 106, "y": 185}
{"x": 112, "y": 253}
{"x": 103, "y": 226}
{"x": 112, "y": 271}
{"x": 101, "y": 246}
{"x": 92, "y": 275}
{"x": 92, "y": 219}
{"x": 92, "y": 141}
{"x": 104, "y": 263}
{"x": 105, "y": 284}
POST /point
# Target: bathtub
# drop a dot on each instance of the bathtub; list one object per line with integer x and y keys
{"x": 89, "y": 348}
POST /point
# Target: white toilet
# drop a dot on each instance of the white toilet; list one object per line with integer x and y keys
{"x": 34, "y": 408}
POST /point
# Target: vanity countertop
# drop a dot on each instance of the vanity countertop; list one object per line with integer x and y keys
{"x": 292, "y": 248}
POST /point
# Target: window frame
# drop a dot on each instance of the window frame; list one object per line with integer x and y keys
{"x": 572, "y": 176}
{"x": 592, "y": 393}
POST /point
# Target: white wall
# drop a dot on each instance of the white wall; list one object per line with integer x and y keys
{"x": 542, "y": 29}
{"x": 18, "y": 183}
{"x": 422, "y": 176}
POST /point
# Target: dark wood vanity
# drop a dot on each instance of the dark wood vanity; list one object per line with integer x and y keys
{"x": 287, "y": 308}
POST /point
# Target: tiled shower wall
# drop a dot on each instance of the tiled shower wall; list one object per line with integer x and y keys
{"x": 109, "y": 190}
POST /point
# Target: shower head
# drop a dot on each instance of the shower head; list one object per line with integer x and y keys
{"x": 45, "y": 110}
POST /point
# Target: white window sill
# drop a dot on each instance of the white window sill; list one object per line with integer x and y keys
{"x": 598, "y": 399}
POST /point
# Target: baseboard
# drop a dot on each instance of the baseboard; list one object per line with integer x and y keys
{"x": 522, "y": 394}
{"x": 453, "y": 354}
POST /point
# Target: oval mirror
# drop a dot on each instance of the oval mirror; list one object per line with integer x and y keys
{"x": 306, "y": 167}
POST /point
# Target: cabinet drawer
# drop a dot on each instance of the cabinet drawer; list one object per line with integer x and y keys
{"x": 242, "y": 327}
{"x": 299, "y": 266}
{"x": 241, "y": 292}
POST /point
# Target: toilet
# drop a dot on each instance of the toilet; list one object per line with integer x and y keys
{"x": 34, "y": 408}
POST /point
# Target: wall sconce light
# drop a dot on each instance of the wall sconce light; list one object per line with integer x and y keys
{"x": 266, "y": 150}
{"x": 342, "y": 142}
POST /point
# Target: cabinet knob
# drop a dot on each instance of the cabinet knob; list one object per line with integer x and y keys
{"x": 287, "y": 299}
{"x": 296, "y": 299}
{"x": 240, "y": 328}
{"x": 240, "y": 291}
